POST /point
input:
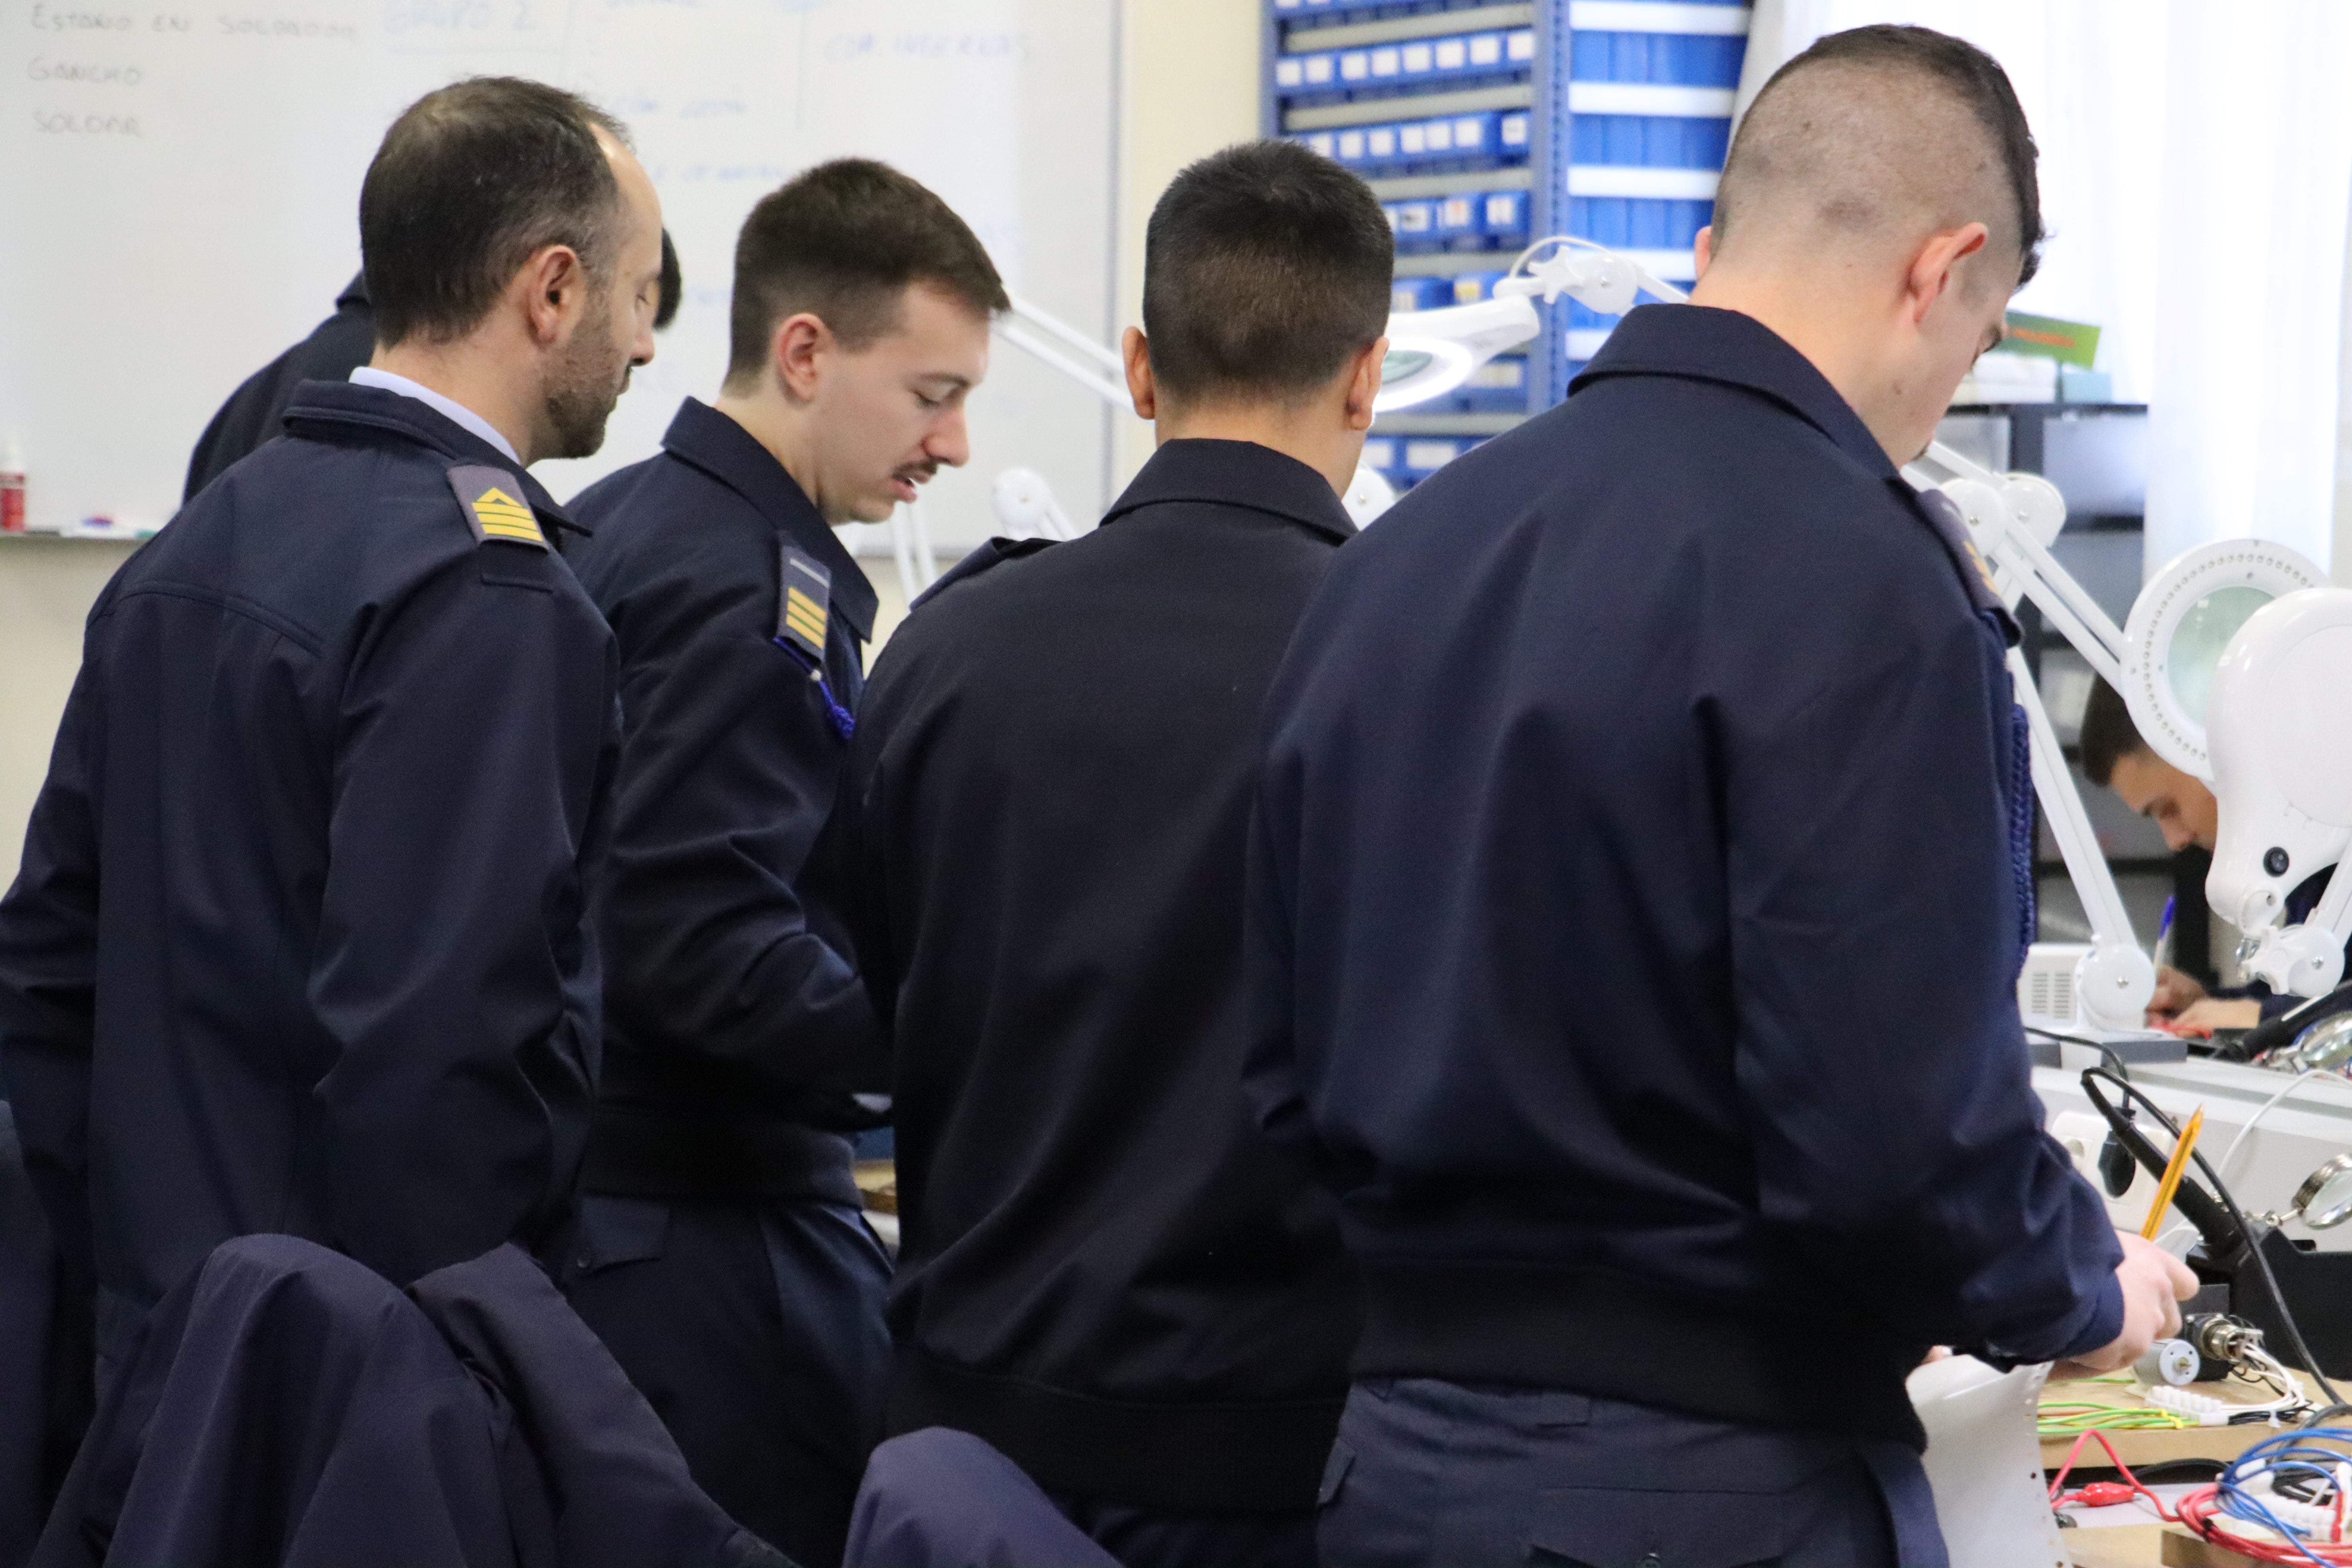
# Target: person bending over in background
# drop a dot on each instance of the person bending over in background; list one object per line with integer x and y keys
{"x": 256, "y": 411}
{"x": 298, "y": 944}
{"x": 1107, "y": 1272}
{"x": 2182, "y": 806}
{"x": 722, "y": 1255}
{"x": 1634, "y": 908}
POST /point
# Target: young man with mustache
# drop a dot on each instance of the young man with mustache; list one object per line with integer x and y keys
{"x": 723, "y": 1257}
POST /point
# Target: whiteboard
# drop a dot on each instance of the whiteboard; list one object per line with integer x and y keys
{"x": 179, "y": 188}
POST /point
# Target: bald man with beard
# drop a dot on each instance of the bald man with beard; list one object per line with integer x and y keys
{"x": 1636, "y": 901}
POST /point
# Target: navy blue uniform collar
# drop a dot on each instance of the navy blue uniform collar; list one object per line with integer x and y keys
{"x": 1236, "y": 473}
{"x": 1702, "y": 343}
{"x": 721, "y": 448}
{"x": 354, "y": 293}
{"x": 344, "y": 404}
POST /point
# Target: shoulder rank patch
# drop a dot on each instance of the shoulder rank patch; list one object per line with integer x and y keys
{"x": 802, "y": 604}
{"x": 494, "y": 504}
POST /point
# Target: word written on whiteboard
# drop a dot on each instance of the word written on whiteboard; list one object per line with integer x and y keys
{"x": 40, "y": 67}
{"x": 48, "y": 18}
{"x": 51, "y": 125}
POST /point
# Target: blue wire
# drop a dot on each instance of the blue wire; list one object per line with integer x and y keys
{"x": 2291, "y": 1453}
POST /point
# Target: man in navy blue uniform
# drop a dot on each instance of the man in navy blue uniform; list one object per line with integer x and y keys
{"x": 723, "y": 1256}
{"x": 1107, "y": 1272}
{"x": 256, "y": 411}
{"x": 298, "y": 944}
{"x": 1637, "y": 902}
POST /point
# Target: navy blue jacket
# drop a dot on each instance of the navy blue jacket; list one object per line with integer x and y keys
{"x": 256, "y": 411}
{"x": 1634, "y": 918}
{"x": 285, "y": 1405}
{"x": 735, "y": 1028}
{"x": 1108, "y": 1273}
{"x": 299, "y": 942}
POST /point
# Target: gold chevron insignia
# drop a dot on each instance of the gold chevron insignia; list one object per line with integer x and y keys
{"x": 503, "y": 517}
{"x": 804, "y": 616}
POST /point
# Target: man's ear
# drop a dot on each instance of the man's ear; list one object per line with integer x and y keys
{"x": 798, "y": 352}
{"x": 1934, "y": 268}
{"x": 1364, "y": 385}
{"x": 1140, "y": 387}
{"x": 1702, "y": 251}
{"x": 553, "y": 290}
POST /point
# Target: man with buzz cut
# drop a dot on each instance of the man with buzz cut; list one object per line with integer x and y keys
{"x": 1638, "y": 888}
{"x": 1106, "y": 1273}
{"x": 723, "y": 1255}
{"x": 298, "y": 944}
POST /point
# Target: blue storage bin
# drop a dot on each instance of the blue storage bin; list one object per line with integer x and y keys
{"x": 1416, "y": 220}
{"x": 1420, "y": 293}
{"x": 1638, "y": 223}
{"x": 1469, "y": 288}
{"x": 1460, "y": 216}
{"x": 1675, "y": 60}
{"x": 1503, "y": 214}
{"x": 1422, "y": 455}
{"x": 1650, "y": 140}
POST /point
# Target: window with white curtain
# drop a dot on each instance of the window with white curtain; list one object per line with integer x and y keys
{"x": 2197, "y": 182}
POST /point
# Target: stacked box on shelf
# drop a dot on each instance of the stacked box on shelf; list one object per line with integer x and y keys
{"x": 1435, "y": 103}
{"x": 1649, "y": 97}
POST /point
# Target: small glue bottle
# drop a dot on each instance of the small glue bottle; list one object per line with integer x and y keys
{"x": 12, "y": 488}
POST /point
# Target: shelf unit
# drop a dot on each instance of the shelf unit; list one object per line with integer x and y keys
{"x": 1482, "y": 125}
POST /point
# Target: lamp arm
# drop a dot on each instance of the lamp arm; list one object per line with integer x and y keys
{"x": 2118, "y": 980}
{"x": 1113, "y": 392}
{"x": 2002, "y": 511}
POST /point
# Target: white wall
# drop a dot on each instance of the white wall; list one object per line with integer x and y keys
{"x": 47, "y": 587}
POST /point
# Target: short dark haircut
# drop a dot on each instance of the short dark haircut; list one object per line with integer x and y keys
{"x": 1265, "y": 267}
{"x": 673, "y": 286}
{"x": 842, "y": 242}
{"x": 471, "y": 182}
{"x": 1972, "y": 78}
{"x": 2109, "y": 734}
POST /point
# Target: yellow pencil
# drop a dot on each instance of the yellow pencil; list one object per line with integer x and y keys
{"x": 2173, "y": 1170}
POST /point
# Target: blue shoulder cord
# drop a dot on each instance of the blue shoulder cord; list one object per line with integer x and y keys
{"x": 843, "y": 722}
{"x": 2021, "y": 827}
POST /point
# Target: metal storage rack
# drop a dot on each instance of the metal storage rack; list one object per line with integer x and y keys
{"x": 1483, "y": 125}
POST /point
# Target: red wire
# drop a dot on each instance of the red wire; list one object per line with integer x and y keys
{"x": 2199, "y": 1512}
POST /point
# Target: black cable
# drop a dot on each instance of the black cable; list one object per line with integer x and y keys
{"x": 2122, "y": 1067}
{"x": 2238, "y": 1217}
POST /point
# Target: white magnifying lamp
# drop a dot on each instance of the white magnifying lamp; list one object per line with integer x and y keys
{"x": 2278, "y": 733}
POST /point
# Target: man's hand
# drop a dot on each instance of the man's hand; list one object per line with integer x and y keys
{"x": 2154, "y": 1283}
{"x": 2174, "y": 992}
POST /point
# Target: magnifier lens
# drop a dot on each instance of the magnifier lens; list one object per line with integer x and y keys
{"x": 2202, "y": 635}
{"x": 2332, "y": 1203}
{"x": 1403, "y": 364}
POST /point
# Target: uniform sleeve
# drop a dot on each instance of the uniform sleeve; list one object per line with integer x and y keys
{"x": 1874, "y": 949}
{"x": 728, "y": 777}
{"x": 48, "y": 978}
{"x": 453, "y": 966}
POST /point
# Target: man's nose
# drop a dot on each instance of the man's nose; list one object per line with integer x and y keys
{"x": 950, "y": 442}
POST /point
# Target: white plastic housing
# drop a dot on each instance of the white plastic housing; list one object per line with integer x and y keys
{"x": 2167, "y": 662}
{"x": 2279, "y": 730}
{"x": 1431, "y": 353}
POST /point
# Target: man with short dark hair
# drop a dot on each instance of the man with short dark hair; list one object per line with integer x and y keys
{"x": 299, "y": 940}
{"x": 255, "y": 412}
{"x": 722, "y": 1253}
{"x": 1635, "y": 917}
{"x": 1106, "y": 1272}
{"x": 2182, "y": 806}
